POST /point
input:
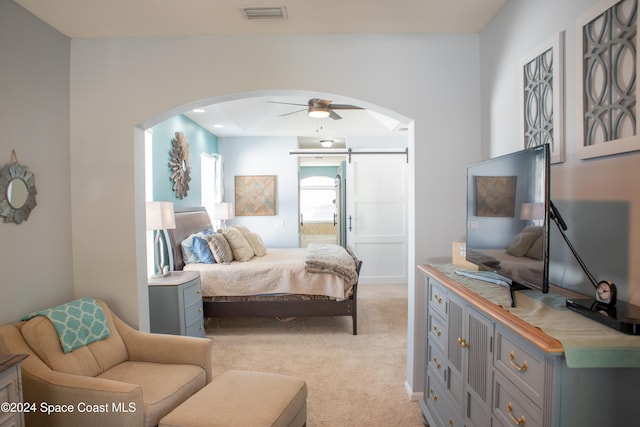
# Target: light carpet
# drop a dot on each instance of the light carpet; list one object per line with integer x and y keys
{"x": 352, "y": 380}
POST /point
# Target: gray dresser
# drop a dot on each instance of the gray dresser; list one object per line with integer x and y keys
{"x": 175, "y": 304}
{"x": 486, "y": 366}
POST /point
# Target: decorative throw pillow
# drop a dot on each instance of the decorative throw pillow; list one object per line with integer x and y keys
{"x": 256, "y": 243}
{"x": 202, "y": 251}
{"x": 242, "y": 250}
{"x": 220, "y": 248}
{"x": 535, "y": 251}
{"x": 523, "y": 241}
{"x": 187, "y": 247}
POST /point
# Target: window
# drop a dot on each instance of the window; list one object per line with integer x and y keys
{"x": 317, "y": 199}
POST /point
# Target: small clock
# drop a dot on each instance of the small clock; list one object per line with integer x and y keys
{"x": 606, "y": 292}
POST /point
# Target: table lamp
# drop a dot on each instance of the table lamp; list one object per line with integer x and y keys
{"x": 223, "y": 211}
{"x": 160, "y": 217}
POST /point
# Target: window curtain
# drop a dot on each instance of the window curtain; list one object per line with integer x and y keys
{"x": 212, "y": 181}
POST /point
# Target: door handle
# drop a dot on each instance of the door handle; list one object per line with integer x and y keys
{"x": 301, "y": 220}
{"x": 350, "y": 218}
{"x": 335, "y": 219}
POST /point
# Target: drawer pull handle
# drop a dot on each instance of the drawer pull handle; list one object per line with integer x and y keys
{"x": 199, "y": 309}
{"x": 200, "y": 328}
{"x": 517, "y": 421}
{"x": 462, "y": 342}
{"x": 435, "y": 362}
{"x": 433, "y": 395}
{"x": 523, "y": 367}
{"x": 437, "y": 298}
{"x": 198, "y": 291}
{"x": 450, "y": 423}
{"x": 436, "y": 331}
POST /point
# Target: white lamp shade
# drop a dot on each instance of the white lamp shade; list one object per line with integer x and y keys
{"x": 223, "y": 211}
{"x": 160, "y": 216}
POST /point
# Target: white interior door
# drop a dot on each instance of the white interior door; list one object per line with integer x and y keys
{"x": 377, "y": 216}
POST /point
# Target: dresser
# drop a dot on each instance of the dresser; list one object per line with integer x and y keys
{"x": 488, "y": 364}
{"x": 11, "y": 405}
{"x": 175, "y": 304}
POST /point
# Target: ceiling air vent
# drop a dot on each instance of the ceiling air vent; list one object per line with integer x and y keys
{"x": 251, "y": 13}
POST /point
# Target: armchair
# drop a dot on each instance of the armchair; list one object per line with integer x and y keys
{"x": 131, "y": 378}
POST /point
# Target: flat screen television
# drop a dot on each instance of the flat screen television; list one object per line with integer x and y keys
{"x": 508, "y": 217}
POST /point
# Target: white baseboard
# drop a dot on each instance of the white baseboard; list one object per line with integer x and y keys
{"x": 413, "y": 395}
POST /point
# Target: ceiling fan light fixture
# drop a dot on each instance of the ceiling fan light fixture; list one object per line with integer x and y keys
{"x": 326, "y": 143}
{"x": 318, "y": 113}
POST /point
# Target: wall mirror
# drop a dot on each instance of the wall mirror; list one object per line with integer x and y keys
{"x": 17, "y": 191}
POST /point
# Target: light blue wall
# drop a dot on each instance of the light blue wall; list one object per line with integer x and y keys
{"x": 307, "y": 171}
{"x": 200, "y": 141}
{"x": 265, "y": 156}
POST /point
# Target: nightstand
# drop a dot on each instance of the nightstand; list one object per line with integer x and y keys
{"x": 175, "y": 304}
{"x": 11, "y": 389}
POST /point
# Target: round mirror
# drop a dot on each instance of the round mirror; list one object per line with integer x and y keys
{"x": 17, "y": 192}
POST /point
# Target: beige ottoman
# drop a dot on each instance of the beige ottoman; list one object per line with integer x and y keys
{"x": 244, "y": 399}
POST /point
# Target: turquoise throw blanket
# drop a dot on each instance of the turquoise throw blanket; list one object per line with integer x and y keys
{"x": 78, "y": 322}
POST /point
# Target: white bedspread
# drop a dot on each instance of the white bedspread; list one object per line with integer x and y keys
{"x": 280, "y": 271}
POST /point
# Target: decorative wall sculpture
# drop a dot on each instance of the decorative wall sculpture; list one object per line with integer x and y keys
{"x": 606, "y": 42}
{"x": 180, "y": 165}
{"x": 542, "y": 89}
{"x": 255, "y": 195}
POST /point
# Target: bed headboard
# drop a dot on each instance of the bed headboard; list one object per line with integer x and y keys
{"x": 188, "y": 221}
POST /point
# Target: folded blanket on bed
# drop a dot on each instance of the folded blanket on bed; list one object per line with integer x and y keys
{"x": 331, "y": 259}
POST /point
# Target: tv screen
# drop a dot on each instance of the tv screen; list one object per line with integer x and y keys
{"x": 508, "y": 216}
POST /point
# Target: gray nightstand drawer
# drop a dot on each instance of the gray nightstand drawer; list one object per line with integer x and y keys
{"x": 175, "y": 304}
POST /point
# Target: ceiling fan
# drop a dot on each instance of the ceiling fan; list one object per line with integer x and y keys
{"x": 319, "y": 108}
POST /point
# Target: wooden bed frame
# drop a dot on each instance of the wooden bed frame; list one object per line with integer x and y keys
{"x": 195, "y": 220}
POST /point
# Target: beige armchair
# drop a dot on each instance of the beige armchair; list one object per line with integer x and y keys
{"x": 131, "y": 378}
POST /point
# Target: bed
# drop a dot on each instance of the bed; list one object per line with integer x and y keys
{"x": 231, "y": 295}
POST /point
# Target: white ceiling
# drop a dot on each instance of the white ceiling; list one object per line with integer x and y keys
{"x": 256, "y": 116}
{"x": 135, "y": 18}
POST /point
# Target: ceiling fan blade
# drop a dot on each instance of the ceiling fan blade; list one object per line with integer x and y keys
{"x": 286, "y": 103}
{"x": 334, "y": 115}
{"x": 293, "y": 112}
{"x": 344, "y": 107}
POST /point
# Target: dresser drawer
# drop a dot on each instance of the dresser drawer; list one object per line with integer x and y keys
{"x": 437, "y": 297}
{"x": 437, "y": 361}
{"x": 437, "y": 330}
{"x": 439, "y": 403}
{"x": 521, "y": 364}
{"x": 511, "y": 407}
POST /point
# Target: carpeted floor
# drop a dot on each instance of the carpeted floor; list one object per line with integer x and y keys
{"x": 352, "y": 380}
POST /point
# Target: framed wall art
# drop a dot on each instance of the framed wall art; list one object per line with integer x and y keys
{"x": 607, "y": 39}
{"x": 255, "y": 195}
{"x": 542, "y": 94}
{"x": 495, "y": 196}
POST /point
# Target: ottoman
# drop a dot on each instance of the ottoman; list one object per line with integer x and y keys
{"x": 244, "y": 399}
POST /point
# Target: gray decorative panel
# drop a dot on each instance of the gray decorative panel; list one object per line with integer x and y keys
{"x": 542, "y": 93}
{"x": 538, "y": 100}
{"x": 607, "y": 39}
{"x": 609, "y": 73}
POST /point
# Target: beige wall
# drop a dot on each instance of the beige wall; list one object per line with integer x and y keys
{"x": 117, "y": 84}
{"x": 35, "y": 256}
{"x": 518, "y": 29}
